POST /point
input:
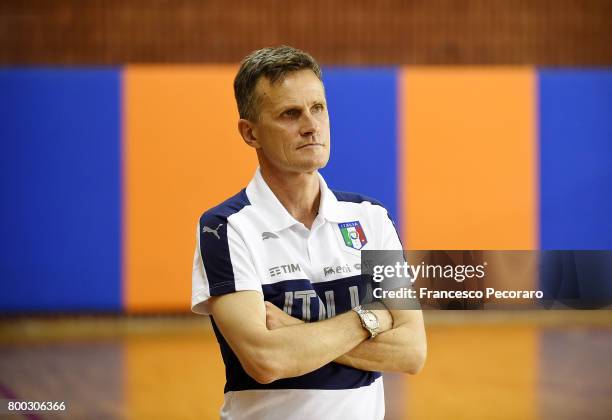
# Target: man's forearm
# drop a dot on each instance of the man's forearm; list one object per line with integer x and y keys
{"x": 302, "y": 348}
{"x": 394, "y": 350}
{"x": 402, "y": 348}
{"x": 268, "y": 354}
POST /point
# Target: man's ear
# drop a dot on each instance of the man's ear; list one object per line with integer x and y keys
{"x": 247, "y": 130}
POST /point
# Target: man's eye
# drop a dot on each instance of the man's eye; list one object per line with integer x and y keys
{"x": 318, "y": 108}
{"x": 291, "y": 113}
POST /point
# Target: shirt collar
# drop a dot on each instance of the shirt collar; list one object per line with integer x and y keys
{"x": 329, "y": 207}
{"x": 261, "y": 196}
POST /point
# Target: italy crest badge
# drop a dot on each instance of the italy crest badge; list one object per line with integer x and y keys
{"x": 353, "y": 235}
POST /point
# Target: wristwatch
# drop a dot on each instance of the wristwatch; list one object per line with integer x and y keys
{"x": 369, "y": 320}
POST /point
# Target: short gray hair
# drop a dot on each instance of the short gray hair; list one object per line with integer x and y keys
{"x": 273, "y": 63}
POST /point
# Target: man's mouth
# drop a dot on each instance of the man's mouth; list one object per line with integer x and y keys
{"x": 310, "y": 145}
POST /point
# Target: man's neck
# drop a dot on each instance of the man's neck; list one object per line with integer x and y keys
{"x": 299, "y": 193}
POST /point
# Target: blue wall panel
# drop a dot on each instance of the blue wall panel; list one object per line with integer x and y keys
{"x": 60, "y": 188}
{"x": 363, "y": 116}
{"x": 576, "y": 159}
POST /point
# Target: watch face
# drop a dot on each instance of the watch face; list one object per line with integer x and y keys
{"x": 370, "y": 320}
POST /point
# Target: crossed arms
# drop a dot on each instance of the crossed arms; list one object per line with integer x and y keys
{"x": 272, "y": 345}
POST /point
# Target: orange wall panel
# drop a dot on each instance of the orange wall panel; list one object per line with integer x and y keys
{"x": 182, "y": 155}
{"x": 468, "y": 159}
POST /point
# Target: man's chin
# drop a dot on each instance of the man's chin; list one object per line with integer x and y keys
{"x": 302, "y": 165}
{"x": 314, "y": 165}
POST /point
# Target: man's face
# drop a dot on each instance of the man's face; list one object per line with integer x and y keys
{"x": 292, "y": 131}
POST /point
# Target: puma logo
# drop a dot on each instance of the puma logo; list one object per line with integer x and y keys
{"x": 268, "y": 235}
{"x": 206, "y": 229}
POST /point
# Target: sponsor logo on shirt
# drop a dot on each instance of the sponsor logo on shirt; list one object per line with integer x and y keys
{"x": 284, "y": 269}
{"x": 268, "y": 235}
{"x": 337, "y": 269}
{"x": 207, "y": 229}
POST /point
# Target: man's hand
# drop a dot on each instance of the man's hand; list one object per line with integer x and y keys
{"x": 277, "y": 318}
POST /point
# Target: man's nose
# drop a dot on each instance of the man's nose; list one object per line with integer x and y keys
{"x": 309, "y": 125}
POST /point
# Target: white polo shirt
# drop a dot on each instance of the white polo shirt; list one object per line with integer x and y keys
{"x": 251, "y": 242}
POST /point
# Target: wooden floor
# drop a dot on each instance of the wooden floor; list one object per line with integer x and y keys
{"x": 478, "y": 367}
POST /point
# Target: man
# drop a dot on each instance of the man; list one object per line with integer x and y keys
{"x": 288, "y": 241}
